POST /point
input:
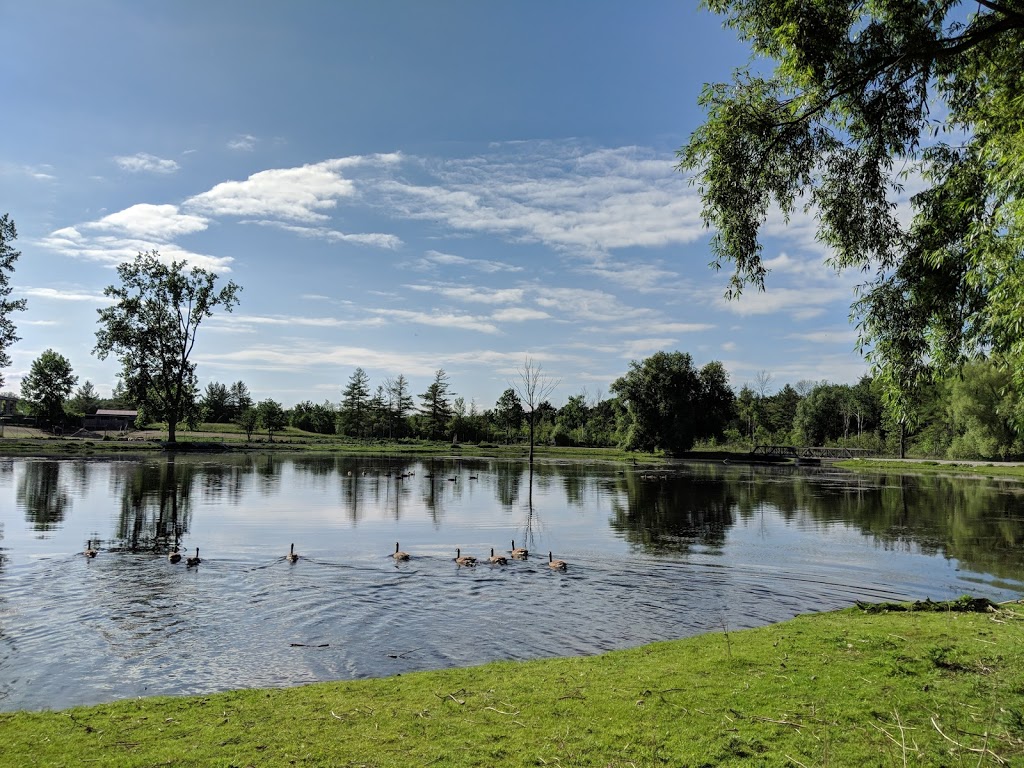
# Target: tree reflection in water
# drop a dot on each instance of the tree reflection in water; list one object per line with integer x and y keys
{"x": 156, "y": 504}
{"x": 978, "y": 522}
{"x": 42, "y": 494}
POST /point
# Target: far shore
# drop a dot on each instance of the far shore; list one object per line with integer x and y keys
{"x": 23, "y": 442}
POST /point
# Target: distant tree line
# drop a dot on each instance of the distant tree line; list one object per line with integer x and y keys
{"x": 662, "y": 403}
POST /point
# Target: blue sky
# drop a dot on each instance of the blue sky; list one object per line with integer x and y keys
{"x": 401, "y": 186}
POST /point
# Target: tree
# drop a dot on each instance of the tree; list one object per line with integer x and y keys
{"x": 248, "y": 420}
{"x": 860, "y": 92}
{"x": 271, "y": 416}
{"x": 533, "y": 387}
{"x": 152, "y": 327}
{"x": 355, "y": 401}
{"x": 8, "y": 333}
{"x": 86, "y": 399}
{"x": 670, "y": 404}
{"x": 434, "y": 405}
{"x": 48, "y": 384}
{"x": 216, "y": 402}
{"x": 239, "y": 398}
{"x": 508, "y": 412}
{"x": 400, "y": 404}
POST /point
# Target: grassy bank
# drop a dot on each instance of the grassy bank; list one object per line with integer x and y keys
{"x": 971, "y": 468}
{"x": 147, "y": 442}
{"x": 848, "y": 688}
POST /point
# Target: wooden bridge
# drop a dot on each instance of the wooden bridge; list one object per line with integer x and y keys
{"x": 810, "y": 452}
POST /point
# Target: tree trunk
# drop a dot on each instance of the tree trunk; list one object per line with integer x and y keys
{"x": 532, "y": 416}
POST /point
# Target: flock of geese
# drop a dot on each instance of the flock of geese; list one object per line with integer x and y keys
{"x": 466, "y": 561}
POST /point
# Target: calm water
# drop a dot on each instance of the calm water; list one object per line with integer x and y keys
{"x": 707, "y": 547}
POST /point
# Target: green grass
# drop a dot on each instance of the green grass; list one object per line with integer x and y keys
{"x": 847, "y": 688}
{"x": 975, "y": 469}
{"x": 231, "y": 437}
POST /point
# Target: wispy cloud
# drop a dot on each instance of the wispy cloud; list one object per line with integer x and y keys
{"x": 434, "y": 259}
{"x": 111, "y": 250}
{"x": 440, "y": 319}
{"x": 56, "y": 294}
{"x": 375, "y": 239}
{"x": 585, "y": 202}
{"x": 243, "y": 143}
{"x": 801, "y": 303}
{"x": 588, "y": 304}
{"x": 519, "y": 315}
{"x": 846, "y": 336}
{"x": 472, "y": 294}
{"x": 143, "y": 162}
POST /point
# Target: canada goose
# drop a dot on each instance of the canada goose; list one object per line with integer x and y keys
{"x": 89, "y": 551}
{"x": 174, "y": 555}
{"x": 518, "y": 553}
{"x": 400, "y": 555}
{"x": 192, "y": 561}
{"x": 291, "y": 557}
{"x": 556, "y": 565}
{"x": 466, "y": 560}
{"x": 497, "y": 559}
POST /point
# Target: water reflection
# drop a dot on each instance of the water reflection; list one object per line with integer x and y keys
{"x": 43, "y": 496}
{"x": 156, "y": 503}
{"x": 760, "y": 543}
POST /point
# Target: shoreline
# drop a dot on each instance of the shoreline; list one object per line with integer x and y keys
{"x": 848, "y": 687}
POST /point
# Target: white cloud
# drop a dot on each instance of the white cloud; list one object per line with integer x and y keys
{"x": 299, "y": 194}
{"x": 660, "y": 327}
{"x": 473, "y": 294}
{"x": 439, "y": 319}
{"x": 729, "y": 346}
{"x": 583, "y": 202}
{"x": 159, "y": 222}
{"x": 802, "y": 303}
{"x": 435, "y": 258}
{"x": 312, "y": 355}
{"x": 588, "y": 304}
{"x": 637, "y": 349}
{"x": 375, "y": 239}
{"x": 289, "y": 321}
{"x": 144, "y": 162}
{"x": 519, "y": 314}
{"x": 847, "y": 336}
{"x": 63, "y": 295}
{"x": 112, "y": 250}
{"x": 243, "y": 143}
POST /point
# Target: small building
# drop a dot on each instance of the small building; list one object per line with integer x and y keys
{"x": 110, "y": 419}
{"x": 8, "y": 405}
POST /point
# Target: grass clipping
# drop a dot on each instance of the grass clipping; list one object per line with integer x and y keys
{"x": 880, "y": 686}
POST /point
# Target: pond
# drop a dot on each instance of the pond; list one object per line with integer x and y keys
{"x": 652, "y": 554}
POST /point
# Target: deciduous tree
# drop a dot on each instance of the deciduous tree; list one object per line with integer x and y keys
{"x": 8, "y": 333}
{"x": 670, "y": 404}
{"x": 151, "y": 327}
{"x": 271, "y": 416}
{"x": 47, "y": 385}
{"x": 860, "y": 92}
{"x": 533, "y": 386}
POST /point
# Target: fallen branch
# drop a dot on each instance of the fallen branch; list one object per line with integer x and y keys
{"x": 978, "y": 750}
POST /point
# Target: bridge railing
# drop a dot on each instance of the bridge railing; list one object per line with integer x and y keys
{"x": 811, "y": 452}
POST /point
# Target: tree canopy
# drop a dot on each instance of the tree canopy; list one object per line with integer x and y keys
{"x": 670, "y": 404}
{"x": 863, "y": 96}
{"x": 47, "y": 385}
{"x": 8, "y": 333}
{"x": 151, "y": 327}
